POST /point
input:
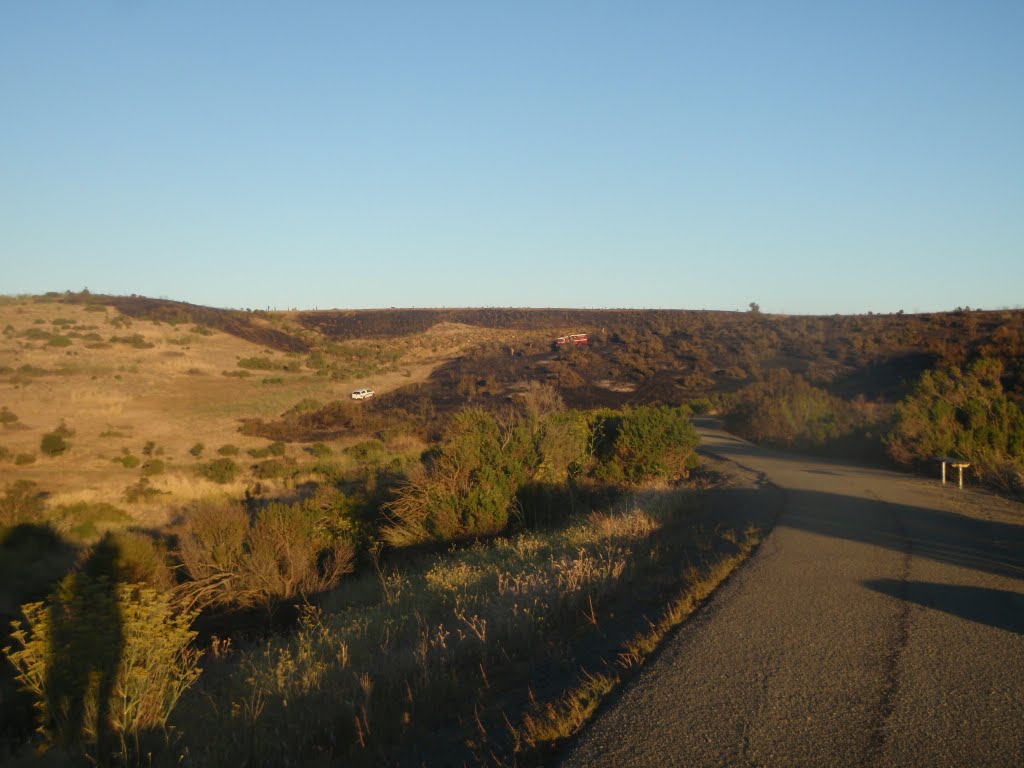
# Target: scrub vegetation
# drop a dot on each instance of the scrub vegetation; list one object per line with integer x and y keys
{"x": 199, "y": 568}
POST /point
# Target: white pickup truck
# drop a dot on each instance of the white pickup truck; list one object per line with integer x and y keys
{"x": 362, "y": 394}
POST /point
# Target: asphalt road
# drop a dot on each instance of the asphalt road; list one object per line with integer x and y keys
{"x": 881, "y": 623}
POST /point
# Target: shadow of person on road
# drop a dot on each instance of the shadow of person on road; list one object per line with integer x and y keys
{"x": 992, "y": 607}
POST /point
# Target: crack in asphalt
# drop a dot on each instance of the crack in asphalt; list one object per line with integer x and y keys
{"x": 878, "y": 733}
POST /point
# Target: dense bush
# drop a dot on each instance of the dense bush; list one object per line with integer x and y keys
{"x": 53, "y": 444}
{"x": 289, "y": 550}
{"x": 7, "y": 416}
{"x": 644, "y": 443}
{"x": 963, "y": 413}
{"x": 468, "y": 485}
{"x": 786, "y": 410}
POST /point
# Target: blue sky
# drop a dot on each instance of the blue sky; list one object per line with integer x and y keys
{"x": 815, "y": 157}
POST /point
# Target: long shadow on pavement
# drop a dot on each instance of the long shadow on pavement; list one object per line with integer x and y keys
{"x": 993, "y": 607}
{"x": 984, "y": 545}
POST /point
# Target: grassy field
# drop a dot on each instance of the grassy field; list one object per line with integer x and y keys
{"x": 153, "y": 390}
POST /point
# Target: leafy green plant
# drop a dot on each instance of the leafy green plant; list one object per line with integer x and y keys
{"x": 644, "y": 443}
{"x": 197, "y": 450}
{"x": 963, "y": 413}
{"x": 468, "y": 486}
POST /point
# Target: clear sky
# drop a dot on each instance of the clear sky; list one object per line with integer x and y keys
{"x": 814, "y": 157}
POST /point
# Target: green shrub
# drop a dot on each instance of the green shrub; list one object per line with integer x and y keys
{"x": 141, "y": 491}
{"x": 260, "y": 364}
{"x": 966, "y": 414}
{"x": 469, "y": 484}
{"x": 106, "y": 663}
{"x": 5, "y": 453}
{"x": 7, "y": 416}
{"x": 197, "y": 450}
{"x": 786, "y": 410}
{"x": 274, "y": 380}
{"x": 228, "y": 450}
{"x": 135, "y": 341}
{"x": 127, "y": 461}
{"x": 59, "y": 341}
{"x": 321, "y": 450}
{"x": 53, "y": 444}
{"x": 148, "y": 448}
{"x": 277, "y": 448}
{"x": 153, "y": 467}
{"x": 368, "y": 451}
{"x": 307, "y": 405}
{"x": 219, "y": 471}
{"x": 644, "y": 443}
{"x": 24, "y": 458}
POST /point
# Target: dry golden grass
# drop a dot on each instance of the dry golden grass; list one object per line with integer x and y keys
{"x": 118, "y": 397}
